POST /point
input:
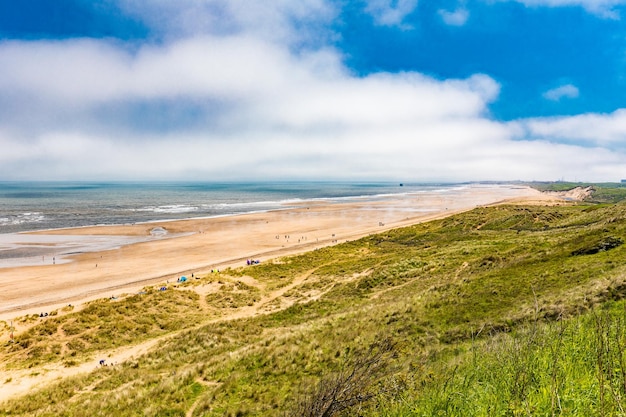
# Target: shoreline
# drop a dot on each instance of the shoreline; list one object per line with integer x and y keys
{"x": 197, "y": 245}
{"x": 201, "y": 209}
{"x": 287, "y": 204}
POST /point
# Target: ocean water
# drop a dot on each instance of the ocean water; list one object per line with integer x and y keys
{"x": 26, "y": 206}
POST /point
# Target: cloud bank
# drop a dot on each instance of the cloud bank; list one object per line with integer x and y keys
{"x": 235, "y": 100}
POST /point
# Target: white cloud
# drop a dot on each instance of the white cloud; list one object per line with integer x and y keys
{"x": 456, "y": 18}
{"x": 598, "y": 130}
{"x": 283, "y": 21}
{"x": 567, "y": 91}
{"x": 602, "y": 8}
{"x": 252, "y": 105}
{"x": 390, "y": 12}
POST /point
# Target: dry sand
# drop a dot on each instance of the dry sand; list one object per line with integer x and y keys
{"x": 110, "y": 264}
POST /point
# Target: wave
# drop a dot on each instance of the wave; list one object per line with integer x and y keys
{"x": 22, "y": 218}
{"x": 167, "y": 209}
{"x": 38, "y": 206}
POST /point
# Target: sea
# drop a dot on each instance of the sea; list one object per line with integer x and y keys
{"x": 30, "y": 206}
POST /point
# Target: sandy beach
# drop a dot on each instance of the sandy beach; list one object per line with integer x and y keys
{"x": 46, "y": 270}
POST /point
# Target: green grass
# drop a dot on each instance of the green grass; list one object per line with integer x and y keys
{"x": 571, "y": 367}
{"x": 233, "y": 295}
{"x": 504, "y": 310}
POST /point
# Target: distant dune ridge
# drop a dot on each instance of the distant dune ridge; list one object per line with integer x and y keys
{"x": 577, "y": 193}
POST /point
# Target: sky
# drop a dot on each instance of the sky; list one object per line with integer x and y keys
{"x": 363, "y": 90}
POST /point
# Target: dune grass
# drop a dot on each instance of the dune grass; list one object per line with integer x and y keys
{"x": 505, "y": 310}
{"x": 102, "y": 324}
{"x": 570, "y": 367}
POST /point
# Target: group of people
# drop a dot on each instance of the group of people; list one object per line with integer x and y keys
{"x": 302, "y": 238}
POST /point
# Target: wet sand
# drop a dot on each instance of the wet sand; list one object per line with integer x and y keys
{"x": 101, "y": 261}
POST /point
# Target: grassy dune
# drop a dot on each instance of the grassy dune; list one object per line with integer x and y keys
{"x": 508, "y": 310}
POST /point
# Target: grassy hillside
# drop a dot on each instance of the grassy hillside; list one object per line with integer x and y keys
{"x": 571, "y": 367}
{"x": 509, "y": 310}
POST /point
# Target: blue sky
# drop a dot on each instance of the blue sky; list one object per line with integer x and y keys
{"x": 409, "y": 90}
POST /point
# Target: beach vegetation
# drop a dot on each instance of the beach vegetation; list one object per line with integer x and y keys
{"x": 102, "y": 324}
{"x": 233, "y": 295}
